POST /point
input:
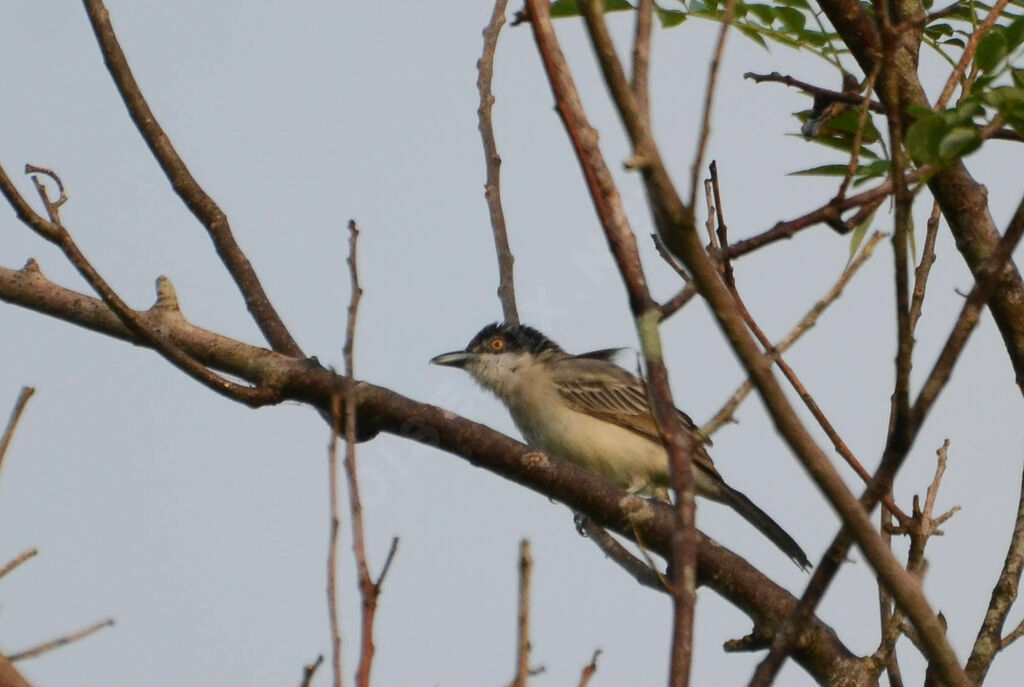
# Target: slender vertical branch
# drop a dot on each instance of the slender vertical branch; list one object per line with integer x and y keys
{"x": 492, "y": 187}
{"x": 709, "y": 99}
{"x": 523, "y": 624}
{"x": 332, "y": 541}
{"x": 642, "y": 58}
{"x": 622, "y": 242}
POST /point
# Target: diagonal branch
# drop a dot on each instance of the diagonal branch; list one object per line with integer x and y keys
{"x": 820, "y": 652}
{"x": 184, "y": 184}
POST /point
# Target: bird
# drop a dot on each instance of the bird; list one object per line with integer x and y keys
{"x": 586, "y": 409}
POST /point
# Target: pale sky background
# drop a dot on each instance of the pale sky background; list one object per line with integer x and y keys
{"x": 201, "y": 526}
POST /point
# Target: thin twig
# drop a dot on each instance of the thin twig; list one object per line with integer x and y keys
{"x": 924, "y": 267}
{"x": 669, "y": 209}
{"x": 332, "y": 541}
{"x": 641, "y": 571}
{"x": 589, "y": 669}
{"x": 188, "y": 189}
{"x": 817, "y": 91}
{"x": 60, "y": 641}
{"x": 492, "y": 186}
{"x": 968, "y": 53}
{"x": 309, "y": 670}
{"x": 18, "y": 560}
{"x": 12, "y": 423}
{"x": 858, "y": 136}
{"x": 54, "y": 231}
{"x": 709, "y": 99}
{"x": 805, "y": 324}
{"x": 523, "y": 618}
{"x": 368, "y": 589}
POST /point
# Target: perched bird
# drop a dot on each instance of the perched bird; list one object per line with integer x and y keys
{"x": 588, "y": 410}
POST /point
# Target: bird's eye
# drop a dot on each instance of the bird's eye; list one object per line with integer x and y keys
{"x": 497, "y": 345}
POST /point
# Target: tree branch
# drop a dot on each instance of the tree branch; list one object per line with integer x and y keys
{"x": 184, "y": 184}
{"x": 492, "y": 187}
{"x": 820, "y": 652}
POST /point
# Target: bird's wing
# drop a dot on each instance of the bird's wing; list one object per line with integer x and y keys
{"x": 606, "y": 391}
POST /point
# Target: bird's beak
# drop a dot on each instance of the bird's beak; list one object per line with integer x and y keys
{"x": 454, "y": 359}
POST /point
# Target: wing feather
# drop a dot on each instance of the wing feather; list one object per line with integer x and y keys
{"x": 606, "y": 391}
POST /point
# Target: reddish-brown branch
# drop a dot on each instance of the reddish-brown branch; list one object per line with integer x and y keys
{"x": 492, "y": 186}
{"x": 622, "y": 242}
{"x": 589, "y": 669}
{"x": 184, "y": 184}
{"x": 825, "y": 93}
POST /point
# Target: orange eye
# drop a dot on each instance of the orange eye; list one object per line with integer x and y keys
{"x": 497, "y": 345}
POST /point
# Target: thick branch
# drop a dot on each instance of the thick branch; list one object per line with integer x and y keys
{"x": 820, "y": 651}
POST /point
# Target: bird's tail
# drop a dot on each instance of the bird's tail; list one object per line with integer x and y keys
{"x": 768, "y": 527}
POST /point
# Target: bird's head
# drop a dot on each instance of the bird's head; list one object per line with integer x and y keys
{"x": 499, "y": 353}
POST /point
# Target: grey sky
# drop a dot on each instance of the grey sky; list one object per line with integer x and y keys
{"x": 201, "y": 526}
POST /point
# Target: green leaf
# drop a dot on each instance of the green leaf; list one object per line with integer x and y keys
{"x": 1015, "y": 34}
{"x": 764, "y": 13}
{"x": 923, "y": 138}
{"x": 1018, "y": 77}
{"x": 992, "y": 48}
{"x": 821, "y": 171}
{"x": 955, "y": 41}
{"x": 792, "y": 19}
{"x": 857, "y": 237}
{"x": 670, "y": 18}
{"x": 959, "y": 141}
{"x": 570, "y": 8}
{"x": 752, "y": 35}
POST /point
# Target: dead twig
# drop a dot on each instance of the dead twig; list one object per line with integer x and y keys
{"x": 309, "y": 670}
{"x": 18, "y": 560}
{"x": 968, "y": 54}
{"x": 492, "y": 186}
{"x": 60, "y": 641}
{"x": 523, "y": 618}
{"x": 643, "y": 572}
{"x": 589, "y": 669}
{"x": 12, "y": 423}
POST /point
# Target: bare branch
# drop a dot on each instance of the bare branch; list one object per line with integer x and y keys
{"x": 589, "y": 669}
{"x": 822, "y": 654}
{"x": 18, "y": 560}
{"x": 332, "y": 544}
{"x": 818, "y": 92}
{"x": 968, "y": 53}
{"x": 610, "y": 546}
{"x": 709, "y": 98}
{"x": 492, "y": 187}
{"x": 309, "y": 670}
{"x": 804, "y": 325}
{"x": 642, "y": 58}
{"x": 184, "y": 184}
{"x": 12, "y": 423}
{"x": 60, "y": 641}
{"x": 679, "y": 444}
{"x": 55, "y": 232}
{"x": 523, "y": 624}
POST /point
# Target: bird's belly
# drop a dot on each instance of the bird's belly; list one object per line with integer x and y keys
{"x": 623, "y": 456}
